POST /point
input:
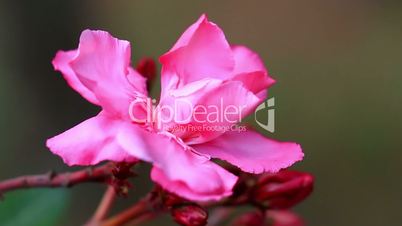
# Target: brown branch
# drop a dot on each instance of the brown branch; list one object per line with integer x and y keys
{"x": 69, "y": 179}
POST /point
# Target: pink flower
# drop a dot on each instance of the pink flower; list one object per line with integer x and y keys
{"x": 201, "y": 69}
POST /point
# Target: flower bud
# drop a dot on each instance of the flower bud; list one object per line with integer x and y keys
{"x": 250, "y": 219}
{"x": 282, "y": 190}
{"x": 269, "y": 218}
{"x": 147, "y": 68}
{"x": 190, "y": 215}
{"x": 283, "y": 218}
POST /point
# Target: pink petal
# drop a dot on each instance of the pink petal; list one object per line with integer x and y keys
{"x": 256, "y": 82}
{"x": 250, "y": 69}
{"x": 213, "y": 96}
{"x": 90, "y": 142}
{"x": 202, "y": 52}
{"x": 214, "y": 174}
{"x": 188, "y": 33}
{"x": 252, "y": 152}
{"x": 61, "y": 63}
{"x": 177, "y": 168}
{"x": 246, "y": 60}
{"x": 181, "y": 171}
{"x": 101, "y": 65}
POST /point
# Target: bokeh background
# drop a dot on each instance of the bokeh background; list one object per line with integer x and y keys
{"x": 339, "y": 94}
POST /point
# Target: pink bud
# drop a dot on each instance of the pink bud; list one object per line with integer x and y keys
{"x": 190, "y": 215}
{"x": 283, "y": 190}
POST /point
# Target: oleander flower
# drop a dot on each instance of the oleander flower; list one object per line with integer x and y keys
{"x": 201, "y": 69}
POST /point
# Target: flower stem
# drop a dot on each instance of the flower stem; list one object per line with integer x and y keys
{"x": 104, "y": 206}
{"x": 140, "y": 208}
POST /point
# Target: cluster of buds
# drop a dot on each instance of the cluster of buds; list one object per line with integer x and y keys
{"x": 271, "y": 193}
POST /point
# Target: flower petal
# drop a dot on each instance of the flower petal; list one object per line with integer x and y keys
{"x": 201, "y": 109}
{"x": 61, "y": 63}
{"x": 250, "y": 69}
{"x": 256, "y": 82}
{"x": 90, "y": 142}
{"x": 202, "y": 52}
{"x": 101, "y": 65}
{"x": 177, "y": 168}
{"x": 214, "y": 174}
{"x": 246, "y": 60}
{"x": 105, "y": 138}
{"x": 188, "y": 33}
{"x": 252, "y": 152}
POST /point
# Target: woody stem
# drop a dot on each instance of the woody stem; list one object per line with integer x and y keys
{"x": 51, "y": 179}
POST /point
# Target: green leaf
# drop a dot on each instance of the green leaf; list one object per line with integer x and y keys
{"x": 44, "y": 207}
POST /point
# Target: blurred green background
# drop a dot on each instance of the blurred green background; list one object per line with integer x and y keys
{"x": 339, "y": 94}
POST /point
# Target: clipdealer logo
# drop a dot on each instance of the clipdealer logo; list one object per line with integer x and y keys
{"x": 144, "y": 110}
{"x": 267, "y": 105}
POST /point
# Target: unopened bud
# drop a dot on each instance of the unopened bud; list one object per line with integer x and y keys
{"x": 283, "y": 218}
{"x": 190, "y": 215}
{"x": 282, "y": 190}
{"x": 147, "y": 68}
{"x": 250, "y": 219}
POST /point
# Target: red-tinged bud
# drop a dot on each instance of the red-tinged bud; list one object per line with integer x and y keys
{"x": 250, "y": 219}
{"x": 190, "y": 215}
{"x": 283, "y": 218}
{"x": 147, "y": 68}
{"x": 282, "y": 190}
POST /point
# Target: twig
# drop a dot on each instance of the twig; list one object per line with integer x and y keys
{"x": 104, "y": 206}
{"x": 69, "y": 179}
{"x": 140, "y": 208}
